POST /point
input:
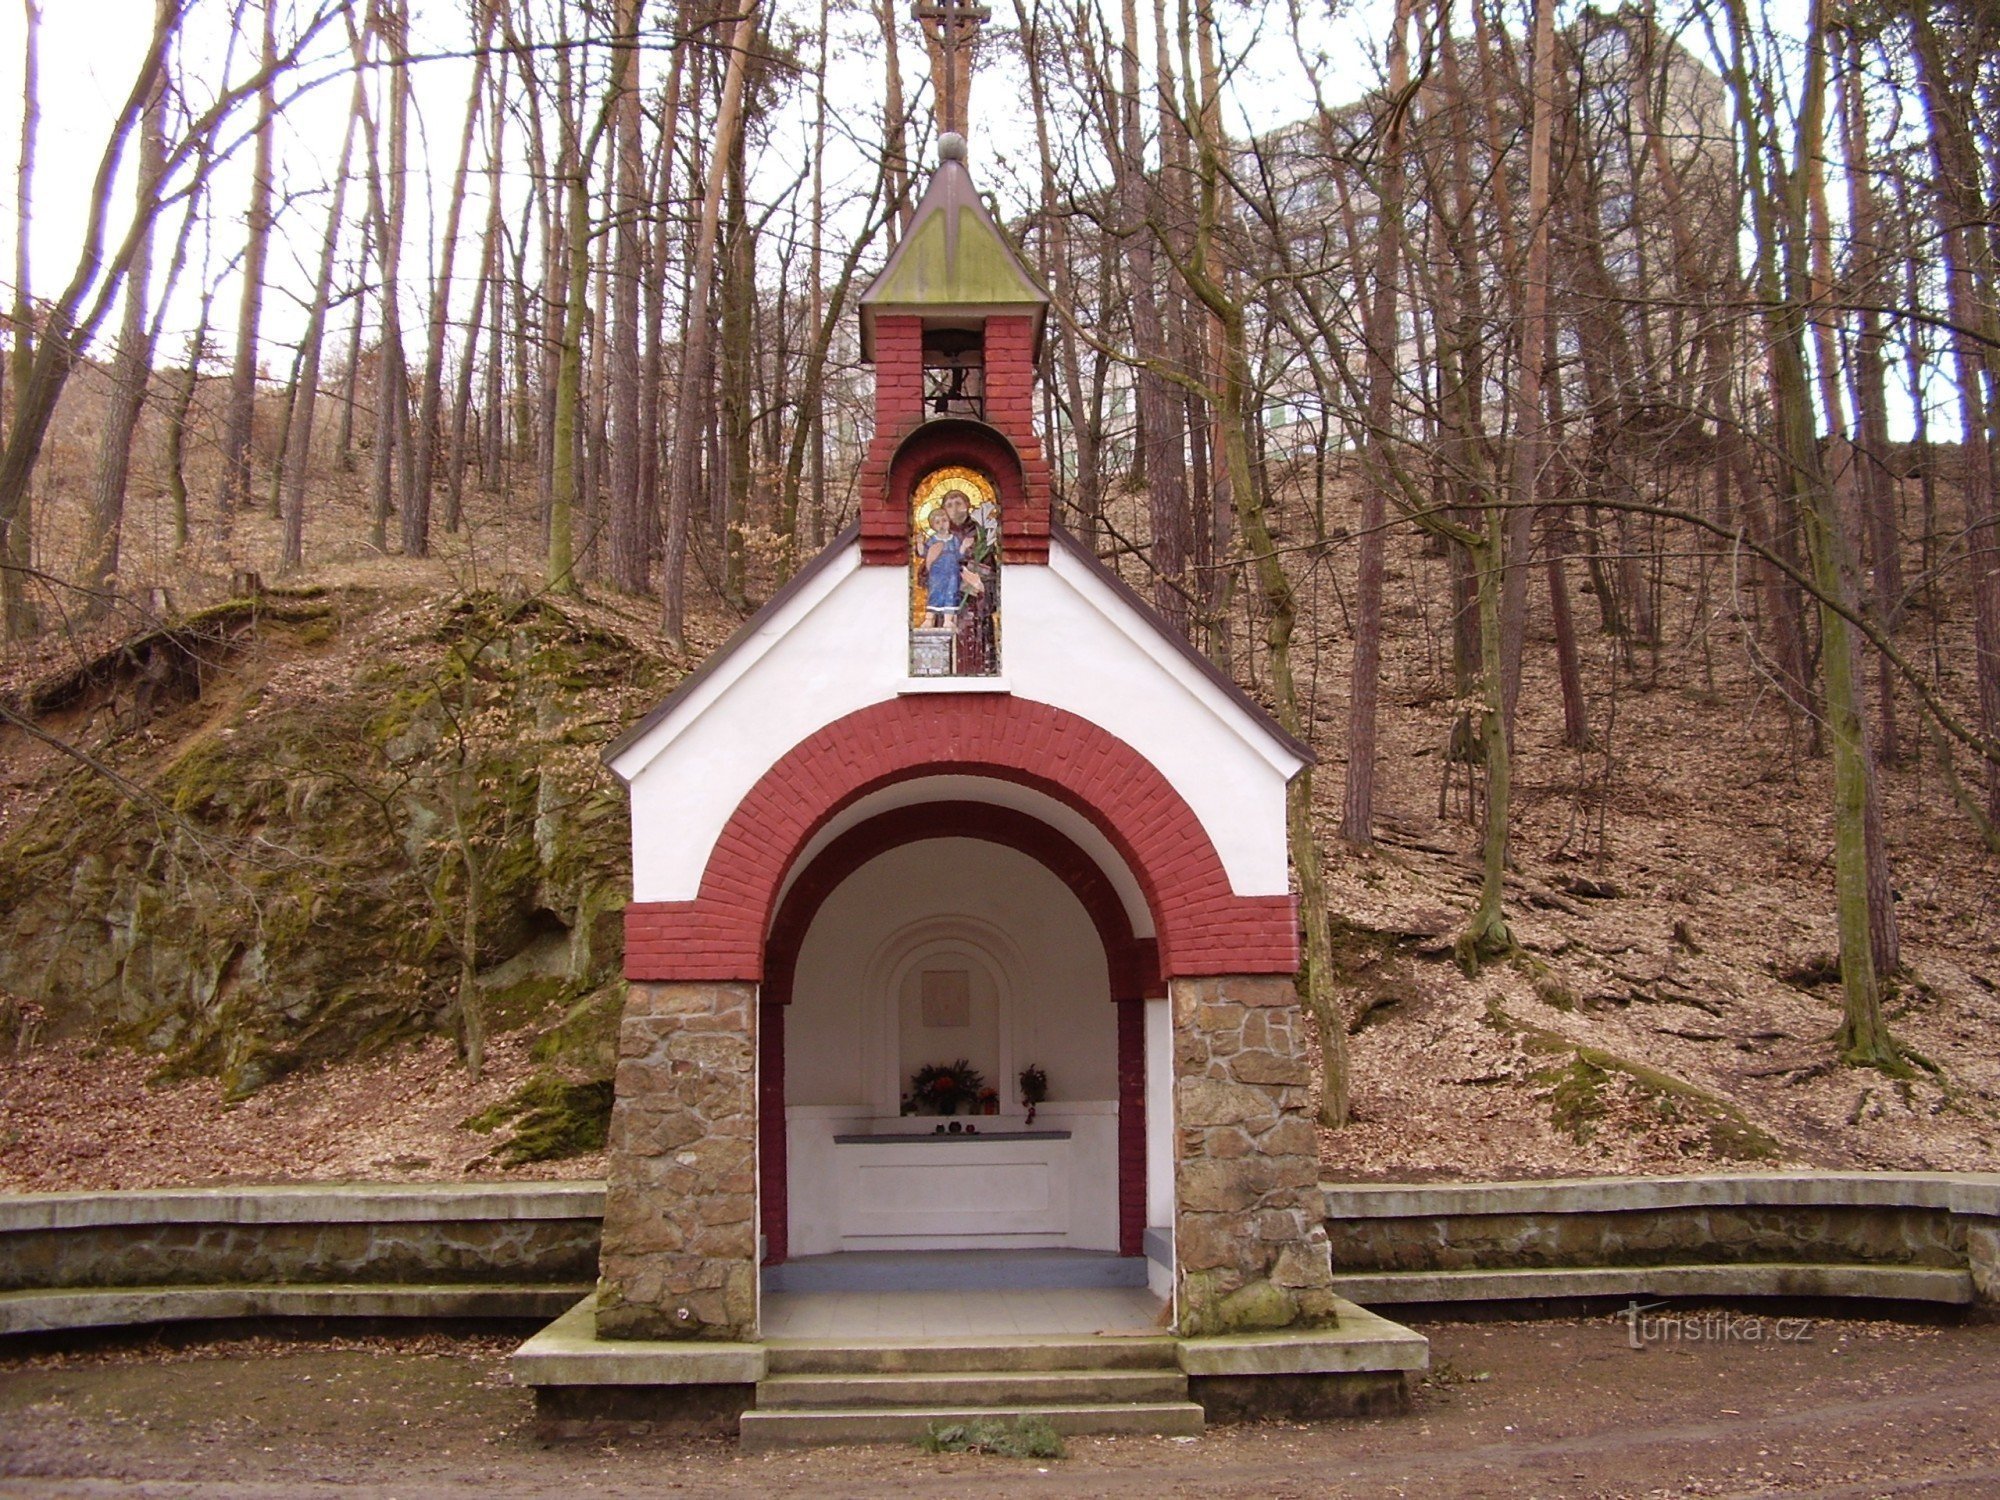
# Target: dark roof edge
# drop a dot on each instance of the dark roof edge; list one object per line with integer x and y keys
{"x": 730, "y": 647}
{"x": 1076, "y": 549}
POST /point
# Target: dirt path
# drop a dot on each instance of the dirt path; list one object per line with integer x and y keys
{"x": 1516, "y": 1409}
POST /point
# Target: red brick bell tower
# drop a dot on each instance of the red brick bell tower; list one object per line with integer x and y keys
{"x": 953, "y": 325}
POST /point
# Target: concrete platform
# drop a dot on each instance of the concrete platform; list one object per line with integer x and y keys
{"x": 569, "y": 1353}
{"x": 1365, "y": 1342}
{"x": 876, "y": 1367}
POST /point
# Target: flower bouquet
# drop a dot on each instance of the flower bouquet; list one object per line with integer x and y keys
{"x": 942, "y": 1087}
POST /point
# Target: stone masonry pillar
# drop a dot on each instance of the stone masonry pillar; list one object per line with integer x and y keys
{"x": 679, "y": 1254}
{"x": 1249, "y": 1243}
{"x": 1982, "y": 1244}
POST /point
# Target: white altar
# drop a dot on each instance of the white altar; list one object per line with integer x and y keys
{"x": 865, "y": 1183}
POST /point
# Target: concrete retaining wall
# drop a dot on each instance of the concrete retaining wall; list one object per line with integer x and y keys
{"x": 77, "y": 1260}
{"x": 71, "y": 1260}
{"x": 1906, "y": 1236}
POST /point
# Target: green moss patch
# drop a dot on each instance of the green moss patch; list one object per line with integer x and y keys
{"x": 1023, "y": 1437}
{"x": 1578, "y": 1077}
{"x": 550, "y": 1120}
{"x": 283, "y": 874}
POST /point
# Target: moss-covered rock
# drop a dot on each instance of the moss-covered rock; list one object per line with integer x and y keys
{"x": 281, "y": 873}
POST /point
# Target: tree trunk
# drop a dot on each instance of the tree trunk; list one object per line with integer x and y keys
{"x": 298, "y": 461}
{"x": 1530, "y": 436}
{"x": 239, "y": 417}
{"x": 17, "y": 520}
{"x": 430, "y": 393}
{"x": 1357, "y": 807}
{"x": 697, "y": 378}
{"x": 628, "y": 499}
{"x": 1162, "y": 440}
{"x": 133, "y": 371}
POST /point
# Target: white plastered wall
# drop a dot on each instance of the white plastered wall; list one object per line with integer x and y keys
{"x": 840, "y": 644}
{"x": 944, "y": 902}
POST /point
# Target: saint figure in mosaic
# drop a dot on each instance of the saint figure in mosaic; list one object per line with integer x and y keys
{"x": 954, "y": 575}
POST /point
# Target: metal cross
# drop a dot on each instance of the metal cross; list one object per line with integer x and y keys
{"x": 950, "y": 26}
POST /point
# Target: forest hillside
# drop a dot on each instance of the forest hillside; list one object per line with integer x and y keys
{"x": 1581, "y": 424}
{"x": 236, "y": 845}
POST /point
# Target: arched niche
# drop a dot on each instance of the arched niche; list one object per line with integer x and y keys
{"x": 978, "y": 445}
{"x": 918, "y": 1022}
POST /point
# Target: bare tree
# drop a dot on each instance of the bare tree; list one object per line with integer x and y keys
{"x": 133, "y": 372}
{"x": 305, "y": 402}
{"x": 17, "y": 552}
{"x": 424, "y": 438}
{"x": 234, "y": 488}
{"x": 697, "y": 348}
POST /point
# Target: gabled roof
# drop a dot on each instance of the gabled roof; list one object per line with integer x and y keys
{"x": 954, "y": 259}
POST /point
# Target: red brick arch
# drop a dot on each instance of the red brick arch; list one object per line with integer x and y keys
{"x": 1203, "y": 926}
{"x": 1131, "y": 962}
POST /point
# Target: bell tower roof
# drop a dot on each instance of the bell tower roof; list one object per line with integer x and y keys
{"x": 954, "y": 267}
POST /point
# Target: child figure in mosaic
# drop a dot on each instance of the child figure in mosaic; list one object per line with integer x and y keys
{"x": 944, "y": 563}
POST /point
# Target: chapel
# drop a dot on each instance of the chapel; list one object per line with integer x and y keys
{"x": 961, "y": 948}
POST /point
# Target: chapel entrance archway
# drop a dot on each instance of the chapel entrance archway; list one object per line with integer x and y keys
{"x": 926, "y": 934}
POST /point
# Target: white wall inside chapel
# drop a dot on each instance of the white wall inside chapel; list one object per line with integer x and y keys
{"x": 849, "y": 1031}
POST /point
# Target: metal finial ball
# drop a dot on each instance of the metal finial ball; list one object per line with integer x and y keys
{"x": 951, "y": 146}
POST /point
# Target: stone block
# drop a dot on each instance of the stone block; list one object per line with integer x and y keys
{"x": 718, "y": 1052}
{"x": 724, "y": 1241}
{"x": 1260, "y": 989}
{"x": 1256, "y": 1304}
{"x": 1205, "y": 1101}
{"x": 1206, "y": 1242}
{"x": 643, "y": 1233}
{"x": 1222, "y": 1186}
{"x": 1982, "y": 1245}
{"x": 653, "y": 1132}
{"x": 658, "y": 999}
{"x": 1301, "y": 1266}
{"x": 1276, "y": 1226}
{"x": 1229, "y": 1142}
{"x": 1250, "y": 1066}
{"x": 1293, "y": 1135}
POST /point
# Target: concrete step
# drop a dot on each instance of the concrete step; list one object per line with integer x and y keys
{"x": 960, "y": 1355}
{"x": 761, "y": 1430}
{"x": 1737, "y": 1279}
{"x": 972, "y": 1388}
